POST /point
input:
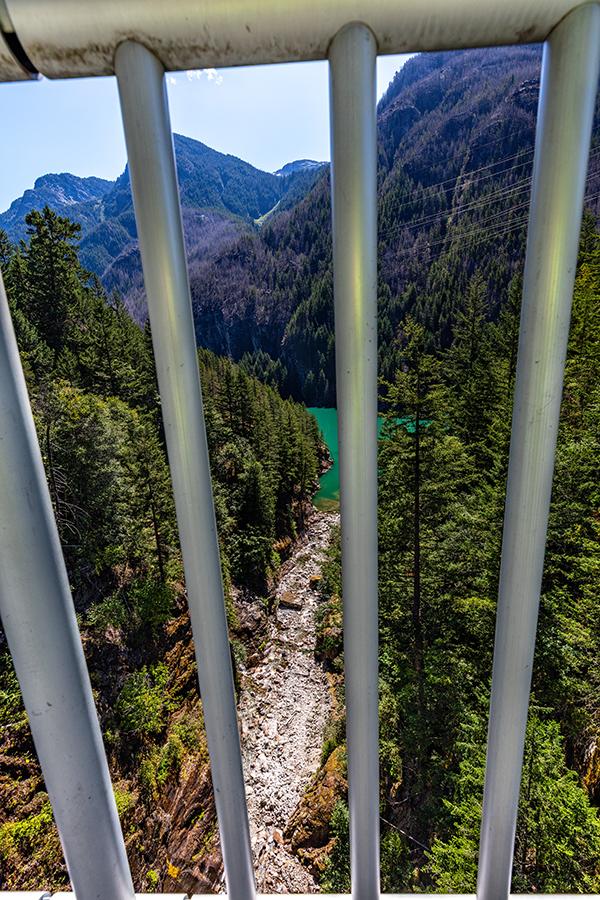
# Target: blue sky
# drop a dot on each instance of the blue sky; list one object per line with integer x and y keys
{"x": 267, "y": 115}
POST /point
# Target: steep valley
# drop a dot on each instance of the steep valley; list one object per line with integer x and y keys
{"x": 166, "y": 803}
{"x": 284, "y": 709}
{"x": 455, "y": 153}
{"x": 92, "y": 386}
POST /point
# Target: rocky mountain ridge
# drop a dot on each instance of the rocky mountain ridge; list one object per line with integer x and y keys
{"x": 456, "y": 132}
{"x": 69, "y": 195}
{"x": 221, "y": 197}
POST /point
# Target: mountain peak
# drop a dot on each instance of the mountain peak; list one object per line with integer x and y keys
{"x": 59, "y": 190}
{"x": 75, "y": 184}
{"x": 299, "y": 165}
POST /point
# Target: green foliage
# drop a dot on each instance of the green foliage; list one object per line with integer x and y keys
{"x": 334, "y": 736}
{"x": 336, "y": 876}
{"x": 93, "y": 386}
{"x": 145, "y": 603}
{"x": 266, "y": 369}
{"x": 454, "y": 862}
{"x": 441, "y": 496}
{"x": 24, "y": 834}
{"x": 107, "y": 613}
{"x": 147, "y": 775}
{"x": 152, "y": 602}
{"x": 330, "y": 634}
{"x": 125, "y": 802}
{"x": 557, "y": 846}
{"x": 264, "y": 458}
{"x": 171, "y": 758}
{"x": 12, "y": 711}
{"x": 163, "y": 762}
{"x": 189, "y": 730}
{"x": 395, "y": 862}
{"x": 91, "y": 380}
{"x": 144, "y": 701}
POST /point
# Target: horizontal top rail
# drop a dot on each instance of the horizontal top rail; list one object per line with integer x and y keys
{"x": 13, "y": 67}
{"x": 10, "y": 70}
{"x": 78, "y": 38}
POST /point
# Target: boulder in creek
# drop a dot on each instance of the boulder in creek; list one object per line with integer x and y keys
{"x": 289, "y": 600}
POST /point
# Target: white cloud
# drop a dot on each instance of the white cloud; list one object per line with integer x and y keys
{"x": 213, "y": 75}
{"x": 195, "y": 75}
{"x": 209, "y": 74}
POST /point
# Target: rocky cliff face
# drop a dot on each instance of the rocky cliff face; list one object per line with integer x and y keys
{"x": 79, "y": 198}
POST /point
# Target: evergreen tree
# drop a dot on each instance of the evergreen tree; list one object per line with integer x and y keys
{"x": 54, "y": 284}
{"x": 468, "y": 368}
{"x": 557, "y": 848}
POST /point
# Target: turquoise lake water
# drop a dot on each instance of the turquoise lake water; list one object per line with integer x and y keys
{"x": 328, "y": 495}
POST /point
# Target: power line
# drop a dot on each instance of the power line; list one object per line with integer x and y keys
{"x": 421, "y": 192}
{"x": 442, "y": 215}
{"x": 501, "y": 230}
{"x": 501, "y": 193}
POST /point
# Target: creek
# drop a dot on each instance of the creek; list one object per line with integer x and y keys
{"x": 284, "y": 707}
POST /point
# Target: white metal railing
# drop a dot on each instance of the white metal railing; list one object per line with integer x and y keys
{"x": 147, "y": 127}
{"x": 564, "y": 127}
{"x": 75, "y": 38}
{"x": 352, "y": 59}
{"x": 137, "y": 40}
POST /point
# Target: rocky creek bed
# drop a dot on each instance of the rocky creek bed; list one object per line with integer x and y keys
{"x": 284, "y": 707}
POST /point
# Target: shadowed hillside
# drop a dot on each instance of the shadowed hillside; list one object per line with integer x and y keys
{"x": 456, "y": 135}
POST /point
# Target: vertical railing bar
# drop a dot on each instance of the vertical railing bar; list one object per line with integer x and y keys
{"x": 149, "y": 142}
{"x": 38, "y": 617}
{"x": 565, "y": 115}
{"x": 352, "y": 60}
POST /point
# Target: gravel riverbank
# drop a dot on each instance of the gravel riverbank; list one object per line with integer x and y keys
{"x": 284, "y": 708}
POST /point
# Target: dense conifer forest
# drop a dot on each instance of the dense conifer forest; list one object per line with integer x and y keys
{"x": 90, "y": 374}
{"x": 440, "y": 522}
{"x": 455, "y": 152}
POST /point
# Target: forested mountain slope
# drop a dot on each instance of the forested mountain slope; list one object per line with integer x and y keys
{"x": 66, "y": 194}
{"x": 441, "y": 499}
{"x": 221, "y": 196}
{"x": 90, "y": 375}
{"x": 456, "y": 135}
